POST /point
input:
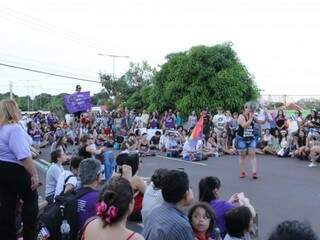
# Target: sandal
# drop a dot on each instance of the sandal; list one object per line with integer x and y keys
{"x": 242, "y": 175}
{"x": 254, "y": 175}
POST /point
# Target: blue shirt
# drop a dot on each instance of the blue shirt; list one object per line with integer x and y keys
{"x": 14, "y": 143}
{"x": 166, "y": 222}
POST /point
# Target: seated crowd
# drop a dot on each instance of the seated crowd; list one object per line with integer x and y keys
{"x": 146, "y": 135}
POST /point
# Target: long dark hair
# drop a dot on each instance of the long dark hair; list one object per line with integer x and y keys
{"x": 206, "y": 187}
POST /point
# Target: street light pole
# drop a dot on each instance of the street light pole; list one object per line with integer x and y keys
{"x": 113, "y": 60}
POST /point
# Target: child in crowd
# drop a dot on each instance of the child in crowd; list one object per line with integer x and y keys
{"x": 172, "y": 147}
{"x": 57, "y": 158}
{"x": 202, "y": 220}
{"x": 238, "y": 222}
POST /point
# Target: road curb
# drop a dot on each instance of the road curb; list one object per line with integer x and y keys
{"x": 42, "y": 164}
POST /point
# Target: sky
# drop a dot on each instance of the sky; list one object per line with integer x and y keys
{"x": 278, "y": 40}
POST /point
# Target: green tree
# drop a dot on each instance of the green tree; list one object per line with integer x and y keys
{"x": 130, "y": 84}
{"x": 140, "y": 99}
{"x": 203, "y": 76}
{"x": 139, "y": 75}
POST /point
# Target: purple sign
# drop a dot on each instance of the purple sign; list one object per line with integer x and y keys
{"x": 77, "y": 102}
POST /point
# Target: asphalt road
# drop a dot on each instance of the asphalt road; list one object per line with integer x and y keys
{"x": 286, "y": 188}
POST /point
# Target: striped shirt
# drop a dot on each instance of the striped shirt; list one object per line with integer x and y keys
{"x": 166, "y": 222}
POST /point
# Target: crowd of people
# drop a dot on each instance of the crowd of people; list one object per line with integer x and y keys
{"x": 145, "y": 133}
{"x": 159, "y": 205}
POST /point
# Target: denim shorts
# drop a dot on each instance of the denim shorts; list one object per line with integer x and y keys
{"x": 243, "y": 144}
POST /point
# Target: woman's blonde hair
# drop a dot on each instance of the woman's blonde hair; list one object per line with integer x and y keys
{"x": 9, "y": 112}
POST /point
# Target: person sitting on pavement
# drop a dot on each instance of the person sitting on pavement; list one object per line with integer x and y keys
{"x": 293, "y": 230}
{"x": 153, "y": 194}
{"x": 202, "y": 220}
{"x": 115, "y": 205}
{"x": 143, "y": 146}
{"x": 189, "y": 152}
{"x": 168, "y": 221}
{"x": 68, "y": 179}
{"x": 90, "y": 177}
{"x": 60, "y": 143}
{"x": 238, "y": 223}
{"x": 209, "y": 191}
{"x": 89, "y": 150}
{"x": 132, "y": 143}
{"x": 57, "y": 158}
{"x": 137, "y": 183}
{"x": 163, "y": 141}
{"x": 300, "y": 145}
{"x": 314, "y": 155}
{"x": 155, "y": 140}
{"x": 172, "y": 147}
{"x": 274, "y": 146}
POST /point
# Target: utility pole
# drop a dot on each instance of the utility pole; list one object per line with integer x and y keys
{"x": 10, "y": 88}
{"x": 113, "y": 60}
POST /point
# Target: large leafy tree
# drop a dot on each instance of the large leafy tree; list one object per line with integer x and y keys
{"x": 203, "y": 76}
{"x": 130, "y": 86}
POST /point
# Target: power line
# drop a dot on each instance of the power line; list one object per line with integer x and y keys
{"x": 48, "y": 73}
{"x": 63, "y": 68}
{"x": 43, "y": 67}
{"x": 25, "y": 19}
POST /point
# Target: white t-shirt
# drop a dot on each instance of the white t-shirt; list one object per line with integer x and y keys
{"x": 187, "y": 148}
{"x": 52, "y": 176}
{"x": 152, "y": 198}
{"x": 163, "y": 141}
{"x": 61, "y": 181}
{"x": 219, "y": 121}
{"x": 171, "y": 143}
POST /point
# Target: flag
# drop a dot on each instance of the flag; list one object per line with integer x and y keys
{"x": 197, "y": 132}
{"x": 77, "y": 102}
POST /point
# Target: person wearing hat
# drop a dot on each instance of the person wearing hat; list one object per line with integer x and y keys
{"x": 172, "y": 147}
{"x": 245, "y": 139}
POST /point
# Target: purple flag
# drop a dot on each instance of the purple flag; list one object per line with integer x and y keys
{"x": 77, "y": 102}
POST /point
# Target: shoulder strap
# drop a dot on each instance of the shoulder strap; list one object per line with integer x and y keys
{"x": 65, "y": 181}
{"x": 83, "y": 230}
{"x": 131, "y": 235}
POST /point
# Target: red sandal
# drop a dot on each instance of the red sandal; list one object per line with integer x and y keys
{"x": 254, "y": 175}
{"x": 242, "y": 175}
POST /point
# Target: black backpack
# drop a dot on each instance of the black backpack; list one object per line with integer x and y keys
{"x": 50, "y": 220}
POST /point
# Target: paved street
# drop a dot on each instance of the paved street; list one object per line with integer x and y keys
{"x": 286, "y": 189}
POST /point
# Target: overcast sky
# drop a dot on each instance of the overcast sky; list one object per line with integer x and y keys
{"x": 278, "y": 40}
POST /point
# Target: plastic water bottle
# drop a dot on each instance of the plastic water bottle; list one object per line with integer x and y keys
{"x": 65, "y": 230}
{"x": 65, "y": 227}
{"x": 103, "y": 176}
{"x": 217, "y": 234}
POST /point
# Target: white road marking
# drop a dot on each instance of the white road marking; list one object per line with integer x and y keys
{"x": 184, "y": 161}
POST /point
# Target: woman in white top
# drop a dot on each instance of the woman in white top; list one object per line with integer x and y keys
{"x": 153, "y": 195}
{"x": 57, "y": 158}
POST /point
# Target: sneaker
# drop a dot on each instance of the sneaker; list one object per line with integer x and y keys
{"x": 312, "y": 165}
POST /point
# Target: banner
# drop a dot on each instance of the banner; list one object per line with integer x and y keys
{"x": 77, "y": 102}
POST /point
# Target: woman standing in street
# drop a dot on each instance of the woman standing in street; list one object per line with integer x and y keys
{"x": 245, "y": 139}
{"x": 18, "y": 175}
